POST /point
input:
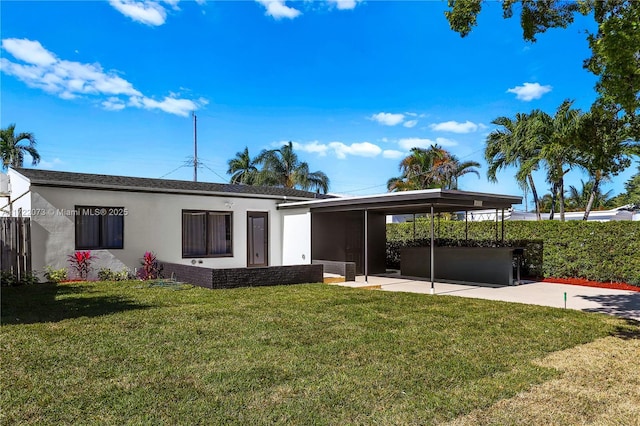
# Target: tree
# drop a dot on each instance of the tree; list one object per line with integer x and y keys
{"x": 242, "y": 168}
{"x": 632, "y": 192}
{"x": 616, "y": 54}
{"x": 13, "y": 147}
{"x": 450, "y": 169}
{"x": 512, "y": 144}
{"x": 604, "y": 147}
{"x": 557, "y": 137}
{"x": 281, "y": 167}
{"x": 547, "y": 203}
{"x": 429, "y": 168}
{"x": 417, "y": 170}
{"x": 586, "y": 197}
{"x": 615, "y": 47}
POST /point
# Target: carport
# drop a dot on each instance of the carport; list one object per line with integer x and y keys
{"x": 353, "y": 229}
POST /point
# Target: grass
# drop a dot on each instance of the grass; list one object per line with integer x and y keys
{"x": 599, "y": 385}
{"x": 116, "y": 353}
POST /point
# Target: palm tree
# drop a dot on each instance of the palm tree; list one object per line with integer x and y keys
{"x": 547, "y": 203}
{"x": 417, "y": 170}
{"x": 557, "y": 136}
{"x": 434, "y": 167}
{"x": 242, "y": 168}
{"x": 514, "y": 144}
{"x": 281, "y": 167}
{"x": 12, "y": 149}
{"x": 583, "y": 198}
{"x": 449, "y": 169}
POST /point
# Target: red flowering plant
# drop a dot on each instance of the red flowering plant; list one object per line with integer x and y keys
{"x": 150, "y": 270}
{"x": 80, "y": 261}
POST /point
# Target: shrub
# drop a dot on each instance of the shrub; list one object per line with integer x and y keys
{"x": 150, "y": 267}
{"x": 106, "y": 274}
{"x": 55, "y": 275}
{"x": 30, "y": 279}
{"x": 8, "y": 279}
{"x": 80, "y": 261}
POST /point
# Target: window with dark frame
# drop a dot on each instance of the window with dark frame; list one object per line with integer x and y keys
{"x": 99, "y": 227}
{"x": 206, "y": 233}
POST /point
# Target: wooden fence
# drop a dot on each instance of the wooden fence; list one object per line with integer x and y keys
{"x": 15, "y": 246}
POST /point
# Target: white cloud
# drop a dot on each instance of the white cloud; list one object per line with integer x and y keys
{"x": 387, "y": 119}
{"x": 344, "y": 4}
{"x": 409, "y": 124}
{"x": 392, "y": 154}
{"x": 113, "y": 104}
{"x": 278, "y": 9}
{"x": 529, "y": 91}
{"x": 70, "y": 80}
{"x": 408, "y": 143}
{"x": 339, "y": 149}
{"x": 171, "y": 104}
{"x": 314, "y": 147}
{"x": 146, "y": 12}
{"x": 362, "y": 149}
{"x": 28, "y": 51}
{"x": 44, "y": 164}
{"x": 456, "y": 127}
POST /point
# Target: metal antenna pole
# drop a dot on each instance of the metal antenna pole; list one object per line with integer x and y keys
{"x": 195, "y": 146}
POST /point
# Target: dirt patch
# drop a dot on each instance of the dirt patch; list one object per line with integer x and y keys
{"x": 600, "y": 384}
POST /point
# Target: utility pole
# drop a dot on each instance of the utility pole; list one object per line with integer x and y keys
{"x": 195, "y": 146}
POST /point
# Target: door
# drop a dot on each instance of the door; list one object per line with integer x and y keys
{"x": 257, "y": 239}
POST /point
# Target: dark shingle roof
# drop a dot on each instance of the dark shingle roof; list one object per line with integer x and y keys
{"x": 137, "y": 184}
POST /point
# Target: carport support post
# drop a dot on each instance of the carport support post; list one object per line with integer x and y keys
{"x": 433, "y": 289}
{"x": 502, "y": 225}
{"x": 366, "y": 246}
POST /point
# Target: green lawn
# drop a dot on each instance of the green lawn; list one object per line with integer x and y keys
{"x": 117, "y": 353}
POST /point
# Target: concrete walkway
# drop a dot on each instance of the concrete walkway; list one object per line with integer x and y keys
{"x": 621, "y": 303}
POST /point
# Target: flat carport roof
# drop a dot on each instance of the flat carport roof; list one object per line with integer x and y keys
{"x": 410, "y": 202}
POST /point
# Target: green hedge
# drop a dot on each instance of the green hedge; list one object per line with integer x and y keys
{"x": 599, "y": 251}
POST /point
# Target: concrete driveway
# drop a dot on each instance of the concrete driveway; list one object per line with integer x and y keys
{"x": 621, "y": 303}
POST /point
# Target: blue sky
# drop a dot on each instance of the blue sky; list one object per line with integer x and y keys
{"x": 109, "y": 86}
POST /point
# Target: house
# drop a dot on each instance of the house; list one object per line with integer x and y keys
{"x": 223, "y": 230}
{"x": 119, "y": 218}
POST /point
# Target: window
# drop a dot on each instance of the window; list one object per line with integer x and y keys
{"x": 99, "y": 227}
{"x": 206, "y": 233}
